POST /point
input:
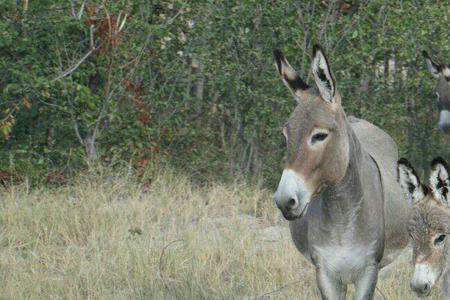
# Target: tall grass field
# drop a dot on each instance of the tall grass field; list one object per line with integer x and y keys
{"x": 109, "y": 237}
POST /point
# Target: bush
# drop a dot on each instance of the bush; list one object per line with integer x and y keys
{"x": 193, "y": 83}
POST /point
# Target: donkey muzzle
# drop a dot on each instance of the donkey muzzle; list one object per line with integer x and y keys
{"x": 292, "y": 196}
{"x": 423, "y": 279}
{"x": 444, "y": 121}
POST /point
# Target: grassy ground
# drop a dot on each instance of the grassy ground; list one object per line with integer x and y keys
{"x": 106, "y": 237}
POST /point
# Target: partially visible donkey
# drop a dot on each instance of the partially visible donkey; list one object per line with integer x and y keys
{"x": 442, "y": 73}
{"x": 429, "y": 225}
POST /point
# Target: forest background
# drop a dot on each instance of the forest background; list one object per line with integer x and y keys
{"x": 191, "y": 84}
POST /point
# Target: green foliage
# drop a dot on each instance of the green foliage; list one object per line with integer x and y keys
{"x": 193, "y": 83}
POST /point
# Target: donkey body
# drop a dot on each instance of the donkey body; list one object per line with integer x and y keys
{"x": 429, "y": 226}
{"x": 338, "y": 188}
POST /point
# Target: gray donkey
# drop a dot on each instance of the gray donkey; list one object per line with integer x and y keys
{"x": 442, "y": 73}
{"x": 347, "y": 213}
{"x": 429, "y": 225}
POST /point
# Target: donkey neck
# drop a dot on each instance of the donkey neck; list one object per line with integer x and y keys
{"x": 345, "y": 198}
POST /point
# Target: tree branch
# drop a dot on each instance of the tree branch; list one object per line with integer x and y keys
{"x": 78, "y": 64}
{"x": 80, "y": 13}
{"x": 77, "y": 132}
{"x": 74, "y": 67}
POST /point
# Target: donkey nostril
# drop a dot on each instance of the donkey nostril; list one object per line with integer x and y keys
{"x": 422, "y": 288}
{"x": 292, "y": 203}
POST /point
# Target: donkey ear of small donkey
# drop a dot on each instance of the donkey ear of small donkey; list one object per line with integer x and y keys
{"x": 432, "y": 67}
{"x": 409, "y": 181}
{"x": 289, "y": 76}
{"x": 439, "y": 180}
{"x": 322, "y": 75}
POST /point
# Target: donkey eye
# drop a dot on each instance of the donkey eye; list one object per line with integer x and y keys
{"x": 318, "y": 137}
{"x": 439, "y": 240}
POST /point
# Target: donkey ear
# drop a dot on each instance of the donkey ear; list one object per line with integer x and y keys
{"x": 439, "y": 180}
{"x": 322, "y": 75}
{"x": 432, "y": 67}
{"x": 289, "y": 76}
{"x": 409, "y": 181}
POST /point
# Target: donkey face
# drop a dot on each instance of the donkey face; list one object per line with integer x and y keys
{"x": 442, "y": 73}
{"x": 316, "y": 136}
{"x": 429, "y": 224}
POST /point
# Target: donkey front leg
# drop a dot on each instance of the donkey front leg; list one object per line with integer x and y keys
{"x": 365, "y": 285}
{"x": 329, "y": 287}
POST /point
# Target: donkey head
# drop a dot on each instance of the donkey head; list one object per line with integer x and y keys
{"x": 442, "y": 73}
{"x": 429, "y": 225}
{"x": 316, "y": 136}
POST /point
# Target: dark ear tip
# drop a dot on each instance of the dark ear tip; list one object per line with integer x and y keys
{"x": 277, "y": 54}
{"x": 316, "y": 48}
{"x": 279, "y": 58}
{"x": 404, "y": 161}
{"x": 439, "y": 160}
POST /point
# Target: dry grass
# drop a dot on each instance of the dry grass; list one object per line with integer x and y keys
{"x": 103, "y": 238}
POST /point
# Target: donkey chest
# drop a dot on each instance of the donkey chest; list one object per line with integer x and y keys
{"x": 344, "y": 261}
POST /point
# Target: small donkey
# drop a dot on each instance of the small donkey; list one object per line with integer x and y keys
{"x": 442, "y": 73}
{"x": 429, "y": 225}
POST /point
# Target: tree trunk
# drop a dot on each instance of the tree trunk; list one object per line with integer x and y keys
{"x": 91, "y": 149}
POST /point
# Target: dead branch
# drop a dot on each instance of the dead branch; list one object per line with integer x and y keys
{"x": 74, "y": 67}
{"x": 77, "y": 132}
{"x": 80, "y": 13}
{"x": 381, "y": 293}
{"x": 161, "y": 274}
{"x": 78, "y": 64}
{"x": 277, "y": 290}
{"x": 123, "y": 22}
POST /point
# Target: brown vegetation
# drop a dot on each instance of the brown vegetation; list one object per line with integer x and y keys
{"x": 108, "y": 238}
